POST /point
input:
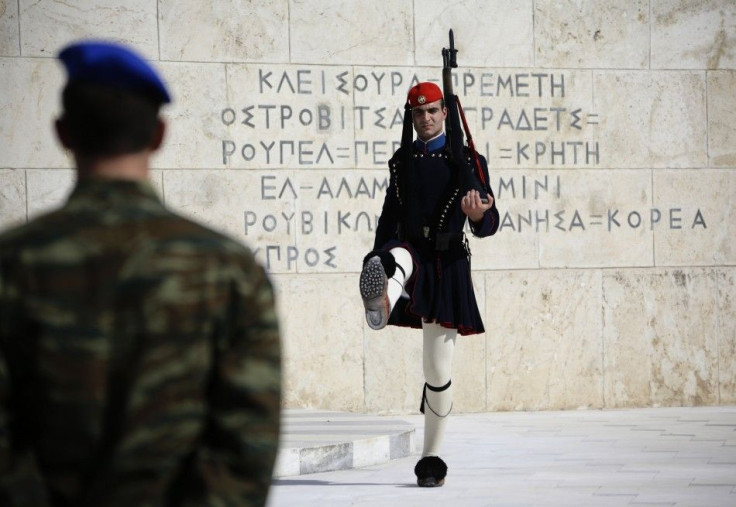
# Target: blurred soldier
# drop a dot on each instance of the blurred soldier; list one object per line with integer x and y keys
{"x": 139, "y": 351}
{"x": 418, "y": 274}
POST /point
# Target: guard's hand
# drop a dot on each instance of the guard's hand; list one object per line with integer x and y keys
{"x": 473, "y": 207}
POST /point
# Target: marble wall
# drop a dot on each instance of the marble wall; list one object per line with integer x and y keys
{"x": 610, "y": 131}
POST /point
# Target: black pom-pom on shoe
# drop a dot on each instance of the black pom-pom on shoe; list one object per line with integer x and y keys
{"x": 430, "y": 471}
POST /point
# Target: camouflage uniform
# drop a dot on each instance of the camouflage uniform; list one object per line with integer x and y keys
{"x": 139, "y": 358}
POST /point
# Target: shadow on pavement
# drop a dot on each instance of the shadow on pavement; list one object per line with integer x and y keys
{"x": 312, "y": 482}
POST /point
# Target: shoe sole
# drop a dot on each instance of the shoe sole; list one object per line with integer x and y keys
{"x": 427, "y": 483}
{"x": 373, "y": 286}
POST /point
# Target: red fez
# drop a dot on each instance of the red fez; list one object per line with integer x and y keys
{"x": 424, "y": 93}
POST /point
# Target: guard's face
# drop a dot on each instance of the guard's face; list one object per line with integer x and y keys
{"x": 429, "y": 119}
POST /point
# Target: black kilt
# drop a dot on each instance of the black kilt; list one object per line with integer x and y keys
{"x": 440, "y": 290}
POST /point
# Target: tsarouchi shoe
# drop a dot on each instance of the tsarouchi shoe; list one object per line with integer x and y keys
{"x": 373, "y": 290}
{"x": 430, "y": 472}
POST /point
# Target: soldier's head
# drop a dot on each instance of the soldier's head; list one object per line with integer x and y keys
{"x": 111, "y": 101}
{"x": 428, "y": 111}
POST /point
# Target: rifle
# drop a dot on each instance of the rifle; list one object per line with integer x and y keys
{"x": 454, "y": 132}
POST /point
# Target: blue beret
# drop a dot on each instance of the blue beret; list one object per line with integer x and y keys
{"x": 113, "y": 65}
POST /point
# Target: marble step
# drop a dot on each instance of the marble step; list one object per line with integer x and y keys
{"x": 320, "y": 441}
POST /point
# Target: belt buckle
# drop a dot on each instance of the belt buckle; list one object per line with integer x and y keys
{"x": 425, "y": 229}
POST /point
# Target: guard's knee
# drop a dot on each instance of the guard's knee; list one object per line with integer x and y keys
{"x": 403, "y": 257}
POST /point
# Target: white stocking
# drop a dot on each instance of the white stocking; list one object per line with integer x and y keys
{"x": 439, "y": 346}
{"x": 396, "y": 283}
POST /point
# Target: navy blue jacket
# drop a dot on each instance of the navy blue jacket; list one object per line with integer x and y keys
{"x": 421, "y": 213}
{"x": 431, "y": 192}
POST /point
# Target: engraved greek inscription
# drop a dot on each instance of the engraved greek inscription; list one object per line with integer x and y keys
{"x": 546, "y": 220}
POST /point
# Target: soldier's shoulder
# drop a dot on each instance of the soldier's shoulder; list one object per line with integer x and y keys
{"x": 48, "y": 225}
{"x": 469, "y": 154}
{"x": 396, "y": 158}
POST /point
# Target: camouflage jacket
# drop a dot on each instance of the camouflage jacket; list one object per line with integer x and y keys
{"x": 139, "y": 358}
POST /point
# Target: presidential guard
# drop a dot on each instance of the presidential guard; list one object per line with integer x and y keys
{"x": 418, "y": 274}
{"x": 139, "y": 351}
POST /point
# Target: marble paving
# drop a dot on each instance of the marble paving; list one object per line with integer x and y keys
{"x": 654, "y": 456}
